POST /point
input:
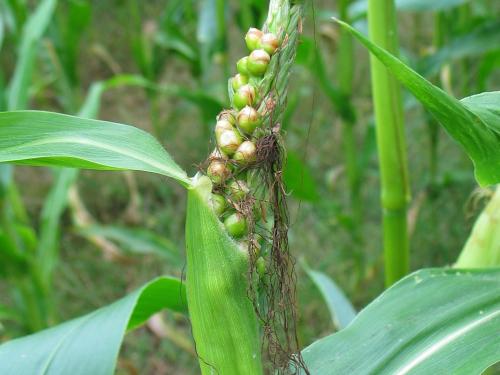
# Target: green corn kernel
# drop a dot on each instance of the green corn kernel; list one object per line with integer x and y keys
{"x": 236, "y": 225}
{"x": 228, "y": 115}
{"x": 245, "y": 95}
{"x": 229, "y": 141}
{"x": 248, "y": 119}
{"x": 221, "y": 126}
{"x": 258, "y": 62}
{"x": 218, "y": 155}
{"x": 218, "y": 203}
{"x": 218, "y": 171}
{"x": 238, "y": 190}
{"x": 238, "y": 81}
{"x": 252, "y": 38}
{"x": 241, "y": 66}
{"x": 246, "y": 153}
{"x": 269, "y": 43}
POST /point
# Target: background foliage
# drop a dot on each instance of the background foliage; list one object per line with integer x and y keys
{"x": 166, "y": 72}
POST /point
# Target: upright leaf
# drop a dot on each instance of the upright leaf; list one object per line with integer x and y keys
{"x": 53, "y": 208}
{"x": 341, "y": 309}
{"x": 90, "y": 344}
{"x": 477, "y": 130}
{"x": 45, "y": 138}
{"x": 436, "y": 321}
{"x": 33, "y": 31}
{"x": 222, "y": 316}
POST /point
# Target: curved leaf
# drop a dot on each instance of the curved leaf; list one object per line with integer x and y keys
{"x": 79, "y": 347}
{"x": 436, "y": 321}
{"x": 478, "y": 134}
{"x": 33, "y": 31}
{"x": 46, "y": 138}
{"x": 341, "y": 309}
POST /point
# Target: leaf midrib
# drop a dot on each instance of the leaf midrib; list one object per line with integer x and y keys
{"x": 89, "y": 142}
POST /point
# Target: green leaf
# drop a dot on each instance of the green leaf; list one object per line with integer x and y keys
{"x": 299, "y": 179}
{"x": 53, "y": 208}
{"x": 436, "y": 321}
{"x": 477, "y": 130}
{"x": 341, "y": 309}
{"x": 222, "y": 316}
{"x": 137, "y": 240}
{"x": 33, "y": 31}
{"x": 90, "y": 344}
{"x": 45, "y": 138}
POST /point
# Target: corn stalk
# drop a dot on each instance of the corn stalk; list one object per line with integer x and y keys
{"x": 240, "y": 277}
{"x": 390, "y": 142}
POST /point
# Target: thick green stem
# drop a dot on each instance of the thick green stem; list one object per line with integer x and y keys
{"x": 390, "y": 141}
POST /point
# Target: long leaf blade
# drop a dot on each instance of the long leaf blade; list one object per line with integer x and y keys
{"x": 436, "y": 321}
{"x": 45, "y": 138}
{"x": 32, "y": 32}
{"x": 479, "y": 136}
{"x": 341, "y": 309}
{"x": 222, "y": 316}
{"x": 79, "y": 347}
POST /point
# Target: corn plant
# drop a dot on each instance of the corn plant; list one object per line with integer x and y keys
{"x": 240, "y": 280}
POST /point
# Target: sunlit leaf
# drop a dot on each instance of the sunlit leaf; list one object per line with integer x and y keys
{"x": 436, "y": 321}
{"x": 477, "y": 130}
{"x": 45, "y": 138}
{"x": 222, "y": 317}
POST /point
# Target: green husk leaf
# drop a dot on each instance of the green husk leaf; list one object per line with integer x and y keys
{"x": 222, "y": 316}
{"x": 482, "y": 248}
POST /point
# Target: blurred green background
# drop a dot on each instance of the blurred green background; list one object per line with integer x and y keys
{"x": 168, "y": 62}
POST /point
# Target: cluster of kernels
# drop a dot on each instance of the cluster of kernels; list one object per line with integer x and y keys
{"x": 235, "y": 133}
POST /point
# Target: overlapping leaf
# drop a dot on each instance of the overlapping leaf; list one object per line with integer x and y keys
{"x": 471, "y": 122}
